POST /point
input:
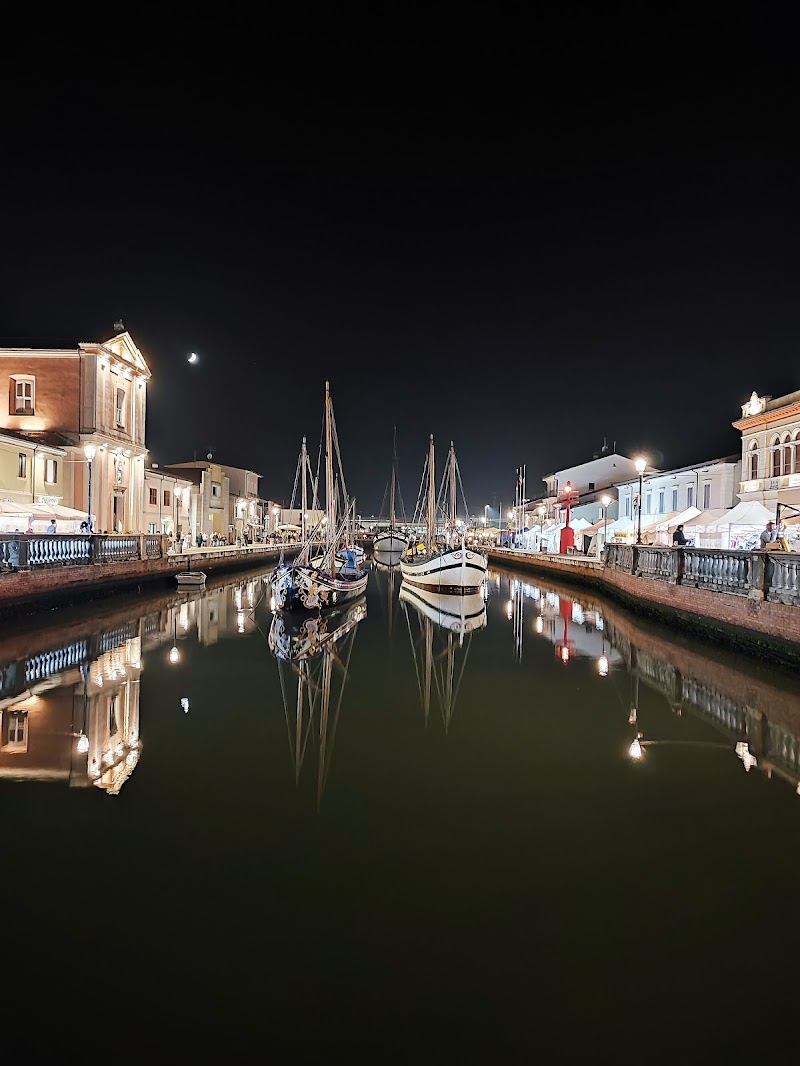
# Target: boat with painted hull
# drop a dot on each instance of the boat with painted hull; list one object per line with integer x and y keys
{"x": 190, "y": 579}
{"x": 456, "y": 612}
{"x": 322, "y": 581}
{"x": 444, "y": 565}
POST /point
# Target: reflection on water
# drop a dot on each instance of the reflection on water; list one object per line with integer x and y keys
{"x": 70, "y": 710}
{"x": 756, "y": 720}
{"x": 313, "y": 654}
{"x": 525, "y": 783}
{"x": 451, "y": 621}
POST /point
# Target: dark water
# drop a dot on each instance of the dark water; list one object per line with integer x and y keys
{"x": 448, "y": 854}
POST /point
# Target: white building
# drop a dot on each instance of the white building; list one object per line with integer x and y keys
{"x": 706, "y": 486}
{"x": 770, "y": 461}
{"x": 591, "y": 481}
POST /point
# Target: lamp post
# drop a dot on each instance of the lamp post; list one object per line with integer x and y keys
{"x": 641, "y": 463}
{"x": 605, "y": 500}
{"x": 90, "y": 452}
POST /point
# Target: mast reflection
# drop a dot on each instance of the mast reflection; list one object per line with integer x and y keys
{"x": 453, "y": 619}
{"x": 313, "y": 654}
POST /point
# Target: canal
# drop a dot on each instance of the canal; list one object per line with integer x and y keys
{"x": 523, "y": 823}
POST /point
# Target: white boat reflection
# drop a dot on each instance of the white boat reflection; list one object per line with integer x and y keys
{"x": 453, "y": 619}
{"x": 313, "y": 655}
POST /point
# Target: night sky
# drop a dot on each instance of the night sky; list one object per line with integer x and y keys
{"x": 523, "y": 243}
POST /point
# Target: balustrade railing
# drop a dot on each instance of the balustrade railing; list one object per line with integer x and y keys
{"x": 771, "y": 575}
{"x": 24, "y": 551}
{"x": 783, "y": 577}
{"x": 714, "y": 568}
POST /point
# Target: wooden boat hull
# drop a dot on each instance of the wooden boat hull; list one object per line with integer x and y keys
{"x": 306, "y": 588}
{"x": 455, "y": 571}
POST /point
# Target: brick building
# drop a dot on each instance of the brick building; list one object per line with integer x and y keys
{"x": 92, "y": 394}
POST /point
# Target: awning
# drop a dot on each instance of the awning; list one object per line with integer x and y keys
{"x": 705, "y": 519}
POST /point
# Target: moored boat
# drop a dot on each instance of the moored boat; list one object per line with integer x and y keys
{"x": 445, "y": 564}
{"x": 312, "y": 582}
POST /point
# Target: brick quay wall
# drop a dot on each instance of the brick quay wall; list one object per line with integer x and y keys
{"x": 24, "y": 592}
{"x": 749, "y": 622}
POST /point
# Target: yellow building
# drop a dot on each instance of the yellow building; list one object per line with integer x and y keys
{"x": 34, "y": 477}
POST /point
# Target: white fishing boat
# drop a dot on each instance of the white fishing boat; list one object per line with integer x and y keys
{"x": 320, "y": 580}
{"x": 443, "y": 563}
{"x": 188, "y": 578}
{"x": 391, "y": 542}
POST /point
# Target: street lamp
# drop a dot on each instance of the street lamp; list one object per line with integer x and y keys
{"x": 90, "y": 452}
{"x": 605, "y": 500}
{"x": 641, "y": 463}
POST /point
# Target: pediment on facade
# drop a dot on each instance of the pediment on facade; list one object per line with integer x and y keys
{"x": 123, "y": 349}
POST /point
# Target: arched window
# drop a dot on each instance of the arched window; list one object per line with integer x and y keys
{"x": 787, "y": 455}
{"x": 753, "y": 460}
{"x": 776, "y": 457}
{"x": 796, "y": 439}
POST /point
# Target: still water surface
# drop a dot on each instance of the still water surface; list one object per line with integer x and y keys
{"x": 415, "y": 834}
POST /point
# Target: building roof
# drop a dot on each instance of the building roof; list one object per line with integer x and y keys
{"x": 649, "y": 474}
{"x": 48, "y": 438}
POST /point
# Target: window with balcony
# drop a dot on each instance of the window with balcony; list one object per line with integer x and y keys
{"x": 706, "y": 495}
{"x": 51, "y": 471}
{"x": 153, "y": 497}
{"x": 787, "y": 455}
{"x": 23, "y": 394}
{"x": 22, "y": 465}
{"x": 167, "y": 498}
{"x": 119, "y": 408}
{"x": 753, "y": 460}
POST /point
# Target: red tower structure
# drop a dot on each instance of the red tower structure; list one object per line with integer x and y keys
{"x": 568, "y": 533}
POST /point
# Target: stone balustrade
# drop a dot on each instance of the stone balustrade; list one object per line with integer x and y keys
{"x": 34, "y": 551}
{"x": 755, "y": 574}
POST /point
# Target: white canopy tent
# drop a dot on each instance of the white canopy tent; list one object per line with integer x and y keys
{"x": 670, "y": 523}
{"x": 14, "y": 516}
{"x": 702, "y": 530}
{"x": 741, "y": 527}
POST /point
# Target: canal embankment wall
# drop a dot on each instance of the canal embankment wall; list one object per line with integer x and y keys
{"x": 651, "y": 582}
{"x": 47, "y": 584}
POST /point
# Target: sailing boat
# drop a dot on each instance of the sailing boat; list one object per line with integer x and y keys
{"x": 450, "y": 567}
{"x": 458, "y": 617}
{"x": 310, "y": 651}
{"x": 392, "y": 541}
{"x": 322, "y": 581}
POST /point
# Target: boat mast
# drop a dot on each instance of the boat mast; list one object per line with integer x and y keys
{"x": 431, "y": 500}
{"x": 452, "y": 460}
{"x": 330, "y": 501}
{"x": 304, "y": 494}
{"x": 391, "y": 490}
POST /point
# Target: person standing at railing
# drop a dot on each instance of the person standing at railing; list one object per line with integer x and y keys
{"x": 52, "y": 527}
{"x": 679, "y": 538}
{"x": 767, "y": 535}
